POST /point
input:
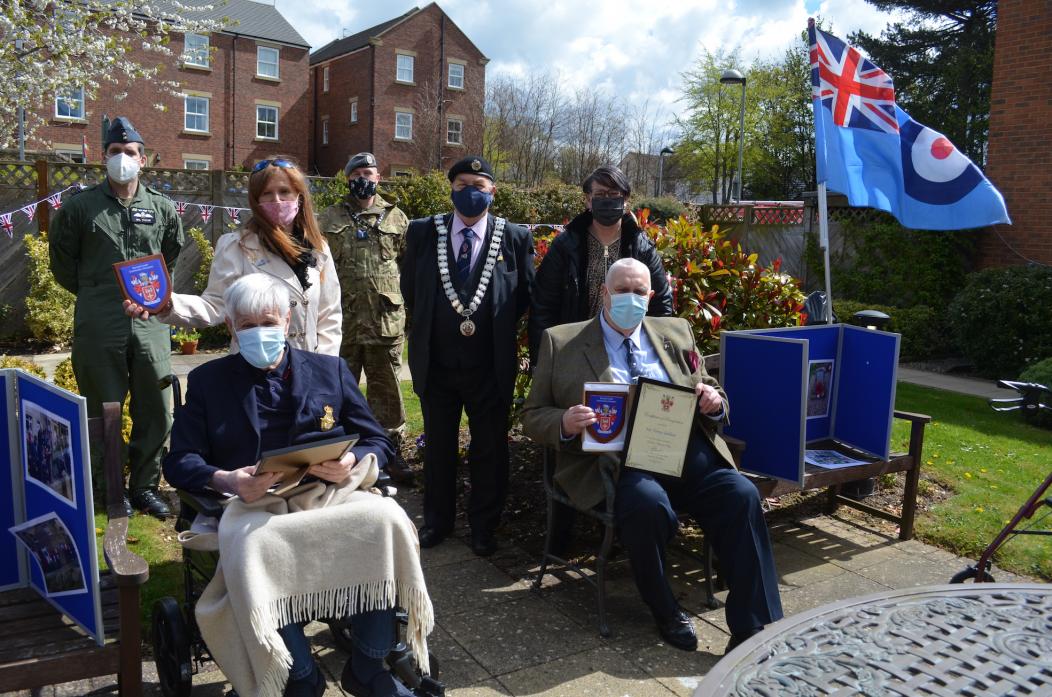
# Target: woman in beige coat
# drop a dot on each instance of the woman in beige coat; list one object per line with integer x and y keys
{"x": 282, "y": 240}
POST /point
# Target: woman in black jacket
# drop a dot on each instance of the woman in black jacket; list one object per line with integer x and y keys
{"x": 568, "y": 282}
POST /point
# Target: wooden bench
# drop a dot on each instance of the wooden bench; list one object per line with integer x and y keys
{"x": 832, "y": 479}
{"x": 41, "y": 646}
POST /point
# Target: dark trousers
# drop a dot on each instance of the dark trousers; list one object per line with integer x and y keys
{"x": 727, "y": 507}
{"x": 447, "y": 394}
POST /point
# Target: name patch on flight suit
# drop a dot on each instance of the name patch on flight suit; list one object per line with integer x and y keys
{"x": 143, "y": 216}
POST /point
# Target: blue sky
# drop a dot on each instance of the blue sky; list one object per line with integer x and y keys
{"x": 634, "y": 48}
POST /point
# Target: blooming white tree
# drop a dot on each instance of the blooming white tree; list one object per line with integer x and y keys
{"x": 55, "y": 48}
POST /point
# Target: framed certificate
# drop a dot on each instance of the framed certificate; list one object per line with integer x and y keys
{"x": 145, "y": 281}
{"x": 660, "y": 426}
{"x": 610, "y": 402}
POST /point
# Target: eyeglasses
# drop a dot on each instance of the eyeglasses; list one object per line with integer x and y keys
{"x": 607, "y": 194}
{"x": 263, "y": 164}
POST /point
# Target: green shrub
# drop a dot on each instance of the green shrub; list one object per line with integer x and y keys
{"x": 888, "y": 264}
{"x": 49, "y": 306}
{"x": 1002, "y": 319}
{"x": 1041, "y": 373}
{"x": 206, "y": 253}
{"x": 23, "y": 364}
{"x": 925, "y": 332}
{"x": 662, "y": 208}
{"x": 554, "y": 203}
{"x": 67, "y": 380}
{"x": 419, "y": 195}
{"x": 334, "y": 191}
{"x": 716, "y": 285}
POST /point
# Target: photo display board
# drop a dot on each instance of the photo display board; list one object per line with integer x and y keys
{"x": 794, "y": 386}
{"x": 54, "y": 524}
{"x": 12, "y": 560}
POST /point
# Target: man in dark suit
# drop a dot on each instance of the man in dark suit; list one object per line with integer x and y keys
{"x": 466, "y": 279}
{"x": 270, "y": 396}
{"x": 621, "y": 345}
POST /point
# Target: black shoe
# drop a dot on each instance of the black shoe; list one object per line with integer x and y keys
{"x": 128, "y": 510}
{"x": 678, "y": 631}
{"x": 150, "y": 502}
{"x": 431, "y": 537}
{"x": 398, "y": 469}
{"x": 383, "y": 683}
{"x": 311, "y": 686}
{"x": 738, "y": 639}
{"x": 483, "y": 544}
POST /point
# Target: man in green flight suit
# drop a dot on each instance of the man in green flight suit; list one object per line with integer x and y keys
{"x": 366, "y": 236}
{"x": 118, "y": 220}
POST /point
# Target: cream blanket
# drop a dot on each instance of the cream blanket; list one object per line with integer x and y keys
{"x": 323, "y": 551}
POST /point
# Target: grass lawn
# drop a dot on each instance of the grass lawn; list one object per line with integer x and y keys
{"x": 992, "y": 462}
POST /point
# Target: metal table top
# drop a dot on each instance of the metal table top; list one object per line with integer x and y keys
{"x": 962, "y": 640}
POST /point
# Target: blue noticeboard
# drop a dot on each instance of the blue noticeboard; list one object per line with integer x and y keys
{"x": 789, "y": 387}
{"x": 12, "y": 560}
{"x": 59, "y": 531}
{"x": 764, "y": 376}
{"x": 865, "y": 389}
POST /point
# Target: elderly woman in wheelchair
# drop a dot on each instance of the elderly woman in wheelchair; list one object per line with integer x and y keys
{"x": 331, "y": 547}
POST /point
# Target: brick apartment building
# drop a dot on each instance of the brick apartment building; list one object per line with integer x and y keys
{"x": 1019, "y": 158}
{"x": 410, "y": 90}
{"x": 245, "y": 95}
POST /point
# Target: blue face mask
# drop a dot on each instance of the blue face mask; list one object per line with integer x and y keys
{"x": 261, "y": 346}
{"x": 628, "y": 309}
{"x": 471, "y": 202}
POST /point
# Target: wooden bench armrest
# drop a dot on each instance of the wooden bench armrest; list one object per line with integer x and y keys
{"x": 914, "y": 418}
{"x": 129, "y": 569}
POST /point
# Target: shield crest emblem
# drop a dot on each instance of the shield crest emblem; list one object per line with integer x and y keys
{"x": 145, "y": 281}
{"x": 610, "y": 414}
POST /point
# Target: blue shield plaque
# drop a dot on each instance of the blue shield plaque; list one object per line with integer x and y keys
{"x": 609, "y": 408}
{"x": 145, "y": 282}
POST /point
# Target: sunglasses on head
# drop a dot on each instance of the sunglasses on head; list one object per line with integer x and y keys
{"x": 263, "y": 164}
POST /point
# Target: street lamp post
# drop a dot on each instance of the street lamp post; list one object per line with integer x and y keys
{"x": 661, "y": 168}
{"x": 733, "y": 77}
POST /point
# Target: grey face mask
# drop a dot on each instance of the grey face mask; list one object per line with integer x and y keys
{"x": 607, "y": 211}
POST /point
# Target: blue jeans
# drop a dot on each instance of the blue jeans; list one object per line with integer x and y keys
{"x": 372, "y": 633}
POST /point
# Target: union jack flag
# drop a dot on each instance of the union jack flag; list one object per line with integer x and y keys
{"x": 55, "y": 200}
{"x": 180, "y": 207}
{"x": 235, "y": 215}
{"x": 30, "y": 211}
{"x": 7, "y": 224}
{"x": 858, "y": 93}
{"x": 206, "y": 212}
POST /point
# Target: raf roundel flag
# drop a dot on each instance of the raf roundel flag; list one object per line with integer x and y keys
{"x": 870, "y": 150}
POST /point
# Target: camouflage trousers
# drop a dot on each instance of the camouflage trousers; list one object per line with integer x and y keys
{"x": 382, "y": 364}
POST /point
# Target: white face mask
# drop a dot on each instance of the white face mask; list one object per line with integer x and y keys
{"x": 122, "y": 168}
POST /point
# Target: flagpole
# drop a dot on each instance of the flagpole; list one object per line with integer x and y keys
{"x": 823, "y": 241}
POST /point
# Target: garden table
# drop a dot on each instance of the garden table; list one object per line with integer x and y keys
{"x": 961, "y": 640}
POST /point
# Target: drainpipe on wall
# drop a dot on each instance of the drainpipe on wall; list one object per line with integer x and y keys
{"x": 441, "y": 88}
{"x": 372, "y": 101}
{"x": 233, "y": 105}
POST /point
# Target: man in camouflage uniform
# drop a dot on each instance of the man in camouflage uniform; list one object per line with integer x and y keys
{"x": 118, "y": 220}
{"x": 366, "y": 236}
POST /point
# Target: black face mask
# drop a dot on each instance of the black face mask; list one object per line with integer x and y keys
{"x": 362, "y": 188}
{"x": 607, "y": 211}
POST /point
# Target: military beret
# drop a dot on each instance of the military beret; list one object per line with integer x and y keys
{"x": 362, "y": 159}
{"x": 121, "y": 131}
{"x": 472, "y": 164}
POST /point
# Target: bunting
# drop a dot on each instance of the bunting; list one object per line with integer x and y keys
{"x": 206, "y": 212}
{"x": 55, "y": 200}
{"x": 29, "y": 211}
{"x": 7, "y": 224}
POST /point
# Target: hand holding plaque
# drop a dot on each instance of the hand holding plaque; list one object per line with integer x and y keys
{"x": 609, "y": 401}
{"x": 145, "y": 282}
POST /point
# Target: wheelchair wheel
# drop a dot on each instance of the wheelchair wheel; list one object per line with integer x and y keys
{"x": 171, "y": 648}
{"x": 971, "y": 573}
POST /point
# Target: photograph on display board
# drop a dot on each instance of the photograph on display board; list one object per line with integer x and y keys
{"x": 819, "y": 388}
{"x": 48, "y": 455}
{"x": 48, "y": 539}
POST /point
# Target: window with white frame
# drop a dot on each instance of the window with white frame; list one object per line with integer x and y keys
{"x": 195, "y": 51}
{"x": 325, "y": 79}
{"x": 324, "y": 131}
{"x": 71, "y": 155}
{"x": 70, "y": 104}
{"x": 354, "y": 111}
{"x": 454, "y": 132}
{"x": 266, "y": 122}
{"x": 456, "y": 76}
{"x": 195, "y": 115}
{"x": 267, "y": 62}
{"x": 196, "y": 164}
{"x": 403, "y": 125}
{"x": 405, "y": 68}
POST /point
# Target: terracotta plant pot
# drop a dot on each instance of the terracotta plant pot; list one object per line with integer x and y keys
{"x": 188, "y": 348}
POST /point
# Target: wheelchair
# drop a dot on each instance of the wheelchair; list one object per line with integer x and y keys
{"x": 179, "y": 649}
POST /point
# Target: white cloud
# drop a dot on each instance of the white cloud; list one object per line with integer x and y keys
{"x": 637, "y": 49}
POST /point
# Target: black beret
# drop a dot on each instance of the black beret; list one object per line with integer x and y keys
{"x": 121, "y": 131}
{"x": 472, "y": 164}
{"x": 362, "y": 159}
